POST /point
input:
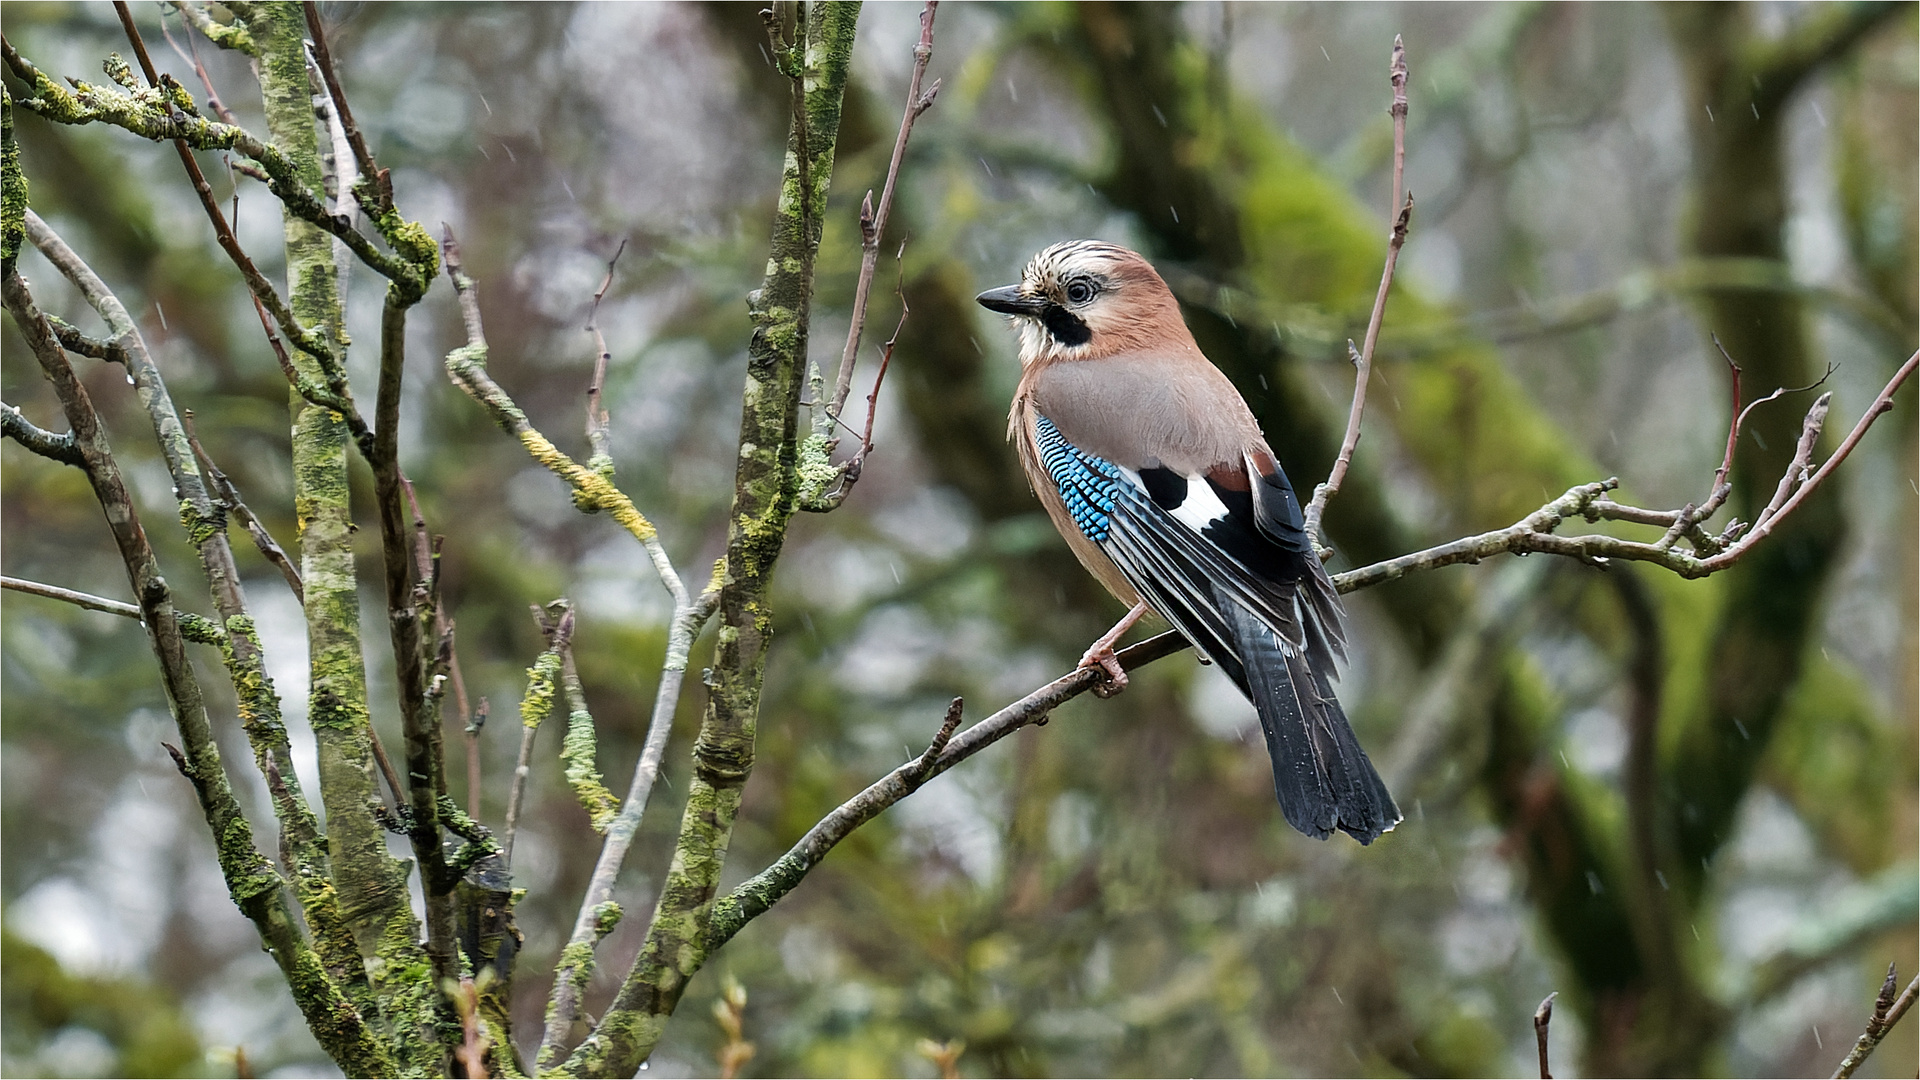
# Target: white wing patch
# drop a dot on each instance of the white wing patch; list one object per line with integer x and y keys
{"x": 1201, "y": 507}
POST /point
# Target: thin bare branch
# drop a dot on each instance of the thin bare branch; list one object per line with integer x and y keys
{"x": 229, "y": 496}
{"x": 192, "y": 627}
{"x": 942, "y": 737}
{"x": 1887, "y": 1011}
{"x": 597, "y": 419}
{"x": 1802, "y": 457}
{"x": 1739, "y": 414}
{"x": 517, "y": 790}
{"x": 1401, "y": 215}
{"x": 873, "y": 221}
{"x": 850, "y": 470}
{"x": 370, "y": 169}
{"x": 1881, "y": 404}
{"x": 191, "y": 56}
{"x": 72, "y": 340}
{"x": 14, "y": 425}
{"x": 764, "y": 889}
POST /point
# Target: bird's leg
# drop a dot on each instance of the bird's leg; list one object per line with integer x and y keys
{"x": 1101, "y": 654}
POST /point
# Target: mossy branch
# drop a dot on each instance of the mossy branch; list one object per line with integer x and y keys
{"x": 226, "y": 35}
{"x": 370, "y": 885}
{"x": 168, "y": 112}
{"x": 251, "y": 880}
{"x": 765, "y": 489}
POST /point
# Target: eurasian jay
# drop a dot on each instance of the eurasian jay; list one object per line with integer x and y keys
{"x": 1152, "y": 467}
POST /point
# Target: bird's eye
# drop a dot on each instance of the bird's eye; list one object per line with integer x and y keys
{"x": 1079, "y": 292}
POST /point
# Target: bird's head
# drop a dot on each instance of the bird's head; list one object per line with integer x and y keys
{"x": 1084, "y": 299}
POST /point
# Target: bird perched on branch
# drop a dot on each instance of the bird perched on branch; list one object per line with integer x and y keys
{"x": 1153, "y": 468}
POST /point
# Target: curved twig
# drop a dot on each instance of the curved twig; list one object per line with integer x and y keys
{"x": 1363, "y": 356}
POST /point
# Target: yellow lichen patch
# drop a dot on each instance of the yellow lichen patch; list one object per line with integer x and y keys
{"x": 589, "y": 484}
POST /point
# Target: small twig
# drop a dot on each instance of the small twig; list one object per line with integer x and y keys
{"x": 77, "y": 599}
{"x": 597, "y": 419}
{"x": 139, "y": 47}
{"x": 61, "y": 448}
{"x": 191, "y": 55}
{"x": 1721, "y": 488}
{"x": 72, "y": 340}
{"x": 850, "y": 470}
{"x": 516, "y": 791}
{"x": 1781, "y": 392}
{"x": 886, "y": 360}
{"x": 1887, "y": 1011}
{"x": 1543, "y": 1016}
{"x": 873, "y": 222}
{"x": 1802, "y": 456}
{"x": 475, "y": 723}
{"x": 1881, "y": 404}
{"x": 229, "y": 496}
{"x": 942, "y": 737}
{"x": 1402, "y": 216}
{"x": 394, "y": 788}
{"x": 557, "y": 631}
{"x": 1733, "y": 425}
{"x": 427, "y": 563}
{"x": 369, "y": 168}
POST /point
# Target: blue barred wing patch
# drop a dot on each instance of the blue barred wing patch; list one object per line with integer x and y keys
{"x": 1088, "y": 484}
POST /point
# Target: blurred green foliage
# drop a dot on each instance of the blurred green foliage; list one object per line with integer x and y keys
{"x": 59, "y": 1023}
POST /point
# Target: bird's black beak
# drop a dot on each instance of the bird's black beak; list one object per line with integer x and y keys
{"x": 1008, "y": 301}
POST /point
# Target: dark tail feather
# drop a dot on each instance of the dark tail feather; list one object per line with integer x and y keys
{"x": 1322, "y": 777}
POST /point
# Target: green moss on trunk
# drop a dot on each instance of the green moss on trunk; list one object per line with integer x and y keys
{"x": 370, "y": 884}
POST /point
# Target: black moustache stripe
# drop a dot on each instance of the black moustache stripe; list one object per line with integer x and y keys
{"x": 1066, "y": 327}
